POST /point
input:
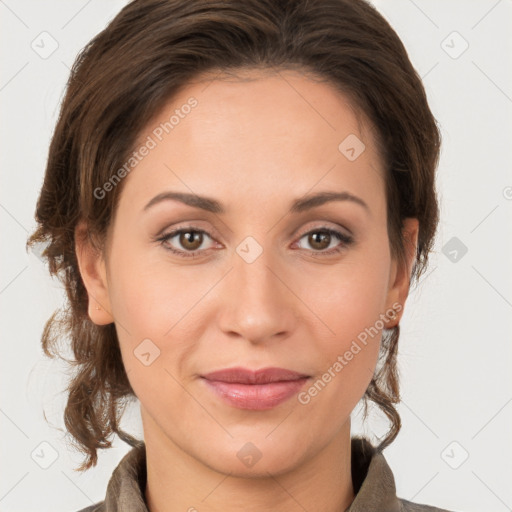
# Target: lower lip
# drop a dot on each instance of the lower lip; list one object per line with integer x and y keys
{"x": 257, "y": 397}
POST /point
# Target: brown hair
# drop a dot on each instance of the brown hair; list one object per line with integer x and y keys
{"x": 126, "y": 74}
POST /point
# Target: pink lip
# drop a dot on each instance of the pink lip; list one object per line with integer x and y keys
{"x": 257, "y": 390}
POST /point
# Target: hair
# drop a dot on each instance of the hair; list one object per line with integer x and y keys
{"x": 128, "y": 72}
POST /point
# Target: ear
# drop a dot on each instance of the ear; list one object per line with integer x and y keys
{"x": 400, "y": 276}
{"x": 93, "y": 271}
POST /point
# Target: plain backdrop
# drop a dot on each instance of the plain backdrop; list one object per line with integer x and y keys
{"x": 455, "y": 357}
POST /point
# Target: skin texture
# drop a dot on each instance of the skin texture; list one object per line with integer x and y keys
{"x": 255, "y": 146}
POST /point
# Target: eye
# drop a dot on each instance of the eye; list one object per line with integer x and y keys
{"x": 321, "y": 238}
{"x": 190, "y": 239}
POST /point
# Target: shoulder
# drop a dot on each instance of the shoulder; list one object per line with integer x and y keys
{"x": 374, "y": 482}
{"x": 409, "y": 506}
{"x": 97, "y": 507}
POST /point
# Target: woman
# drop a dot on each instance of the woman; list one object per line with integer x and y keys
{"x": 237, "y": 197}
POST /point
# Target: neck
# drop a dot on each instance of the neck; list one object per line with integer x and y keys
{"x": 177, "y": 481}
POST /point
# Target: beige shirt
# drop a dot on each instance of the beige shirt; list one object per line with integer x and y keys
{"x": 372, "y": 478}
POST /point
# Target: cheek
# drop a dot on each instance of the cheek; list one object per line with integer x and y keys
{"x": 348, "y": 297}
{"x": 349, "y": 300}
{"x": 156, "y": 316}
{"x": 349, "y": 306}
{"x": 148, "y": 293}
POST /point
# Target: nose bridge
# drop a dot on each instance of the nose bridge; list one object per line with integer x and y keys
{"x": 255, "y": 273}
{"x": 260, "y": 305}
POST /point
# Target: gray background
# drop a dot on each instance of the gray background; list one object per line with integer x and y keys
{"x": 455, "y": 446}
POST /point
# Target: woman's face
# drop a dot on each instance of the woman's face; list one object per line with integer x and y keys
{"x": 267, "y": 285}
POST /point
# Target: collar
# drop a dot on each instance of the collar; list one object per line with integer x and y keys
{"x": 372, "y": 478}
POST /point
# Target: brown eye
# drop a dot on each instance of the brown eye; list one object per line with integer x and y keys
{"x": 185, "y": 242}
{"x": 191, "y": 240}
{"x": 319, "y": 240}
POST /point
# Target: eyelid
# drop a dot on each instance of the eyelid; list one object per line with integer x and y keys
{"x": 324, "y": 224}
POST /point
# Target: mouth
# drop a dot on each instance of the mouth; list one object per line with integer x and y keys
{"x": 246, "y": 376}
{"x": 256, "y": 390}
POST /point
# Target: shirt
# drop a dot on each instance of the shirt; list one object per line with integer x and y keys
{"x": 372, "y": 479}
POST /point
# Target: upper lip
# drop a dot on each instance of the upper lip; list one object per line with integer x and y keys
{"x": 247, "y": 376}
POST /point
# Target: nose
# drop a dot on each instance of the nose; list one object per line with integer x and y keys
{"x": 259, "y": 301}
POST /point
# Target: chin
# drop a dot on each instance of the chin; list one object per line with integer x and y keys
{"x": 253, "y": 459}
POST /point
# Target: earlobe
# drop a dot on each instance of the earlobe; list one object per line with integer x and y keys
{"x": 399, "y": 288}
{"x": 93, "y": 272}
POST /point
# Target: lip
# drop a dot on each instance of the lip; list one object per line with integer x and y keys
{"x": 257, "y": 390}
{"x": 247, "y": 376}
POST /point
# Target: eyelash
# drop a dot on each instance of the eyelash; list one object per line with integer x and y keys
{"x": 345, "y": 239}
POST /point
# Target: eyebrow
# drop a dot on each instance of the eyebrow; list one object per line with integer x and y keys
{"x": 298, "y": 206}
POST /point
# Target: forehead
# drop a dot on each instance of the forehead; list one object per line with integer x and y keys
{"x": 271, "y": 97}
{"x": 259, "y": 132}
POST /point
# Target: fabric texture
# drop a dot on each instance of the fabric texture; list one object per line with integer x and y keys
{"x": 372, "y": 478}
